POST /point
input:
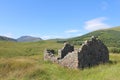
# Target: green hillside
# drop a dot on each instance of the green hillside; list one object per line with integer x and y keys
{"x": 115, "y": 28}
{"x": 111, "y": 37}
{"x": 24, "y": 61}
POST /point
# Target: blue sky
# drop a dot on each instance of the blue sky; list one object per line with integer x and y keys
{"x": 57, "y": 18}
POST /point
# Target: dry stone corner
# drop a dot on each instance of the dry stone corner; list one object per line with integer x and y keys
{"x": 92, "y": 52}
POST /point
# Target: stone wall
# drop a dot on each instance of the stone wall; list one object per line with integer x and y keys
{"x": 70, "y": 60}
{"x": 65, "y": 50}
{"x": 49, "y": 55}
{"x": 92, "y": 52}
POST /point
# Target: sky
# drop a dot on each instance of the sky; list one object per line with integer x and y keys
{"x": 57, "y": 18}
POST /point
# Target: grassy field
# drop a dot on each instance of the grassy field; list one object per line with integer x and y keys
{"x": 24, "y": 61}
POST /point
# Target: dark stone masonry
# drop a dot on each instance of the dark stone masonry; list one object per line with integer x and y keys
{"x": 65, "y": 50}
{"x": 92, "y": 52}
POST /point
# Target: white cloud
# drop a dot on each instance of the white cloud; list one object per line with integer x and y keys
{"x": 50, "y": 37}
{"x": 79, "y": 34}
{"x": 72, "y": 31}
{"x": 62, "y": 35}
{"x": 96, "y": 24}
{"x": 46, "y": 36}
{"x": 8, "y": 35}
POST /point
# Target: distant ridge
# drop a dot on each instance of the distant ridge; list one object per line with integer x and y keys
{"x": 4, "y": 38}
{"x": 21, "y": 39}
{"x": 28, "y": 39}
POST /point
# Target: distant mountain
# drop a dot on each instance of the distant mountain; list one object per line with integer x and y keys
{"x": 3, "y": 38}
{"x": 28, "y": 39}
{"x": 111, "y": 37}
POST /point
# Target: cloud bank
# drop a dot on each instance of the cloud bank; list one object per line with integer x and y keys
{"x": 95, "y": 24}
{"x": 8, "y": 35}
{"x": 72, "y": 31}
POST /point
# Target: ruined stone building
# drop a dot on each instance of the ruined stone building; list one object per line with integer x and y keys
{"x": 92, "y": 52}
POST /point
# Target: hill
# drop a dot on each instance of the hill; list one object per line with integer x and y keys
{"x": 28, "y": 39}
{"x": 3, "y": 38}
{"x": 109, "y": 36}
{"x": 115, "y": 28}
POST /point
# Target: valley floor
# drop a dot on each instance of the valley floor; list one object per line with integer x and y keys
{"x": 24, "y": 61}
